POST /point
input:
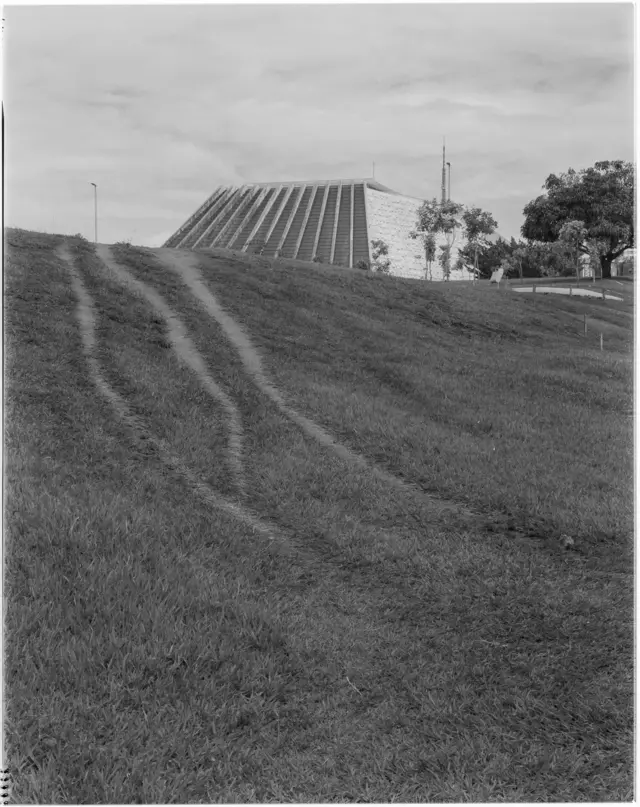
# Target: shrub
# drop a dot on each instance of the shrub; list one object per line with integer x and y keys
{"x": 256, "y": 247}
{"x": 379, "y": 252}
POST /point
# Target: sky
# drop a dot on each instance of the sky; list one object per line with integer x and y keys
{"x": 160, "y": 104}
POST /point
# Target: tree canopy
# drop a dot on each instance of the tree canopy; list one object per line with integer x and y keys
{"x": 537, "y": 259}
{"x": 447, "y": 218}
{"x": 477, "y": 226}
{"x": 601, "y": 197}
{"x": 490, "y": 258}
{"x": 521, "y": 258}
{"x": 435, "y": 218}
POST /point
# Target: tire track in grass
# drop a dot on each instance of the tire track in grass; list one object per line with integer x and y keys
{"x": 186, "y": 266}
{"x": 86, "y": 315}
{"x": 188, "y": 353}
{"x": 390, "y": 592}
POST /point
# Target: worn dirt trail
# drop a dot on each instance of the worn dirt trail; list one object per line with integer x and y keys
{"x": 186, "y": 265}
{"x": 188, "y": 353}
{"x": 87, "y": 318}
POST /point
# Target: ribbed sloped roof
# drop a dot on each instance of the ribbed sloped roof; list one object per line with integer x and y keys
{"x": 368, "y": 181}
{"x": 324, "y": 220}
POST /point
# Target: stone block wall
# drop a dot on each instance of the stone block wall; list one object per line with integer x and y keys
{"x": 390, "y": 218}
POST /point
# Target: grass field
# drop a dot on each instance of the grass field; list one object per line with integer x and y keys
{"x": 390, "y": 617}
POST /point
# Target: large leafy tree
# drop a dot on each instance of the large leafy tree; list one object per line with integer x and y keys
{"x": 600, "y": 197}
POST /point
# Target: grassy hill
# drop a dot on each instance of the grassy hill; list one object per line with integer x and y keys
{"x": 281, "y": 532}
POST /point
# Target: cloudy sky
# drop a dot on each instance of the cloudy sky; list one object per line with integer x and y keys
{"x": 160, "y": 104}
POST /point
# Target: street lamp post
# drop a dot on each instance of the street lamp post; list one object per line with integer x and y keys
{"x": 95, "y": 200}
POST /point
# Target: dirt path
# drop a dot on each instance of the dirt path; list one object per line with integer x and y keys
{"x": 87, "y": 319}
{"x": 575, "y": 292}
{"x": 186, "y": 265}
{"x": 188, "y": 353}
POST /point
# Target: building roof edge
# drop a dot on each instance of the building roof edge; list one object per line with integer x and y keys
{"x": 370, "y": 182}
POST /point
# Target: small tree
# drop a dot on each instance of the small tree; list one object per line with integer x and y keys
{"x": 477, "y": 226}
{"x": 509, "y": 267}
{"x": 517, "y": 258}
{"x": 437, "y": 218}
{"x": 380, "y": 261}
{"x": 429, "y": 243}
{"x": 444, "y": 260}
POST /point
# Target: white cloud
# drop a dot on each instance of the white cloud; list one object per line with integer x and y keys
{"x": 159, "y": 104}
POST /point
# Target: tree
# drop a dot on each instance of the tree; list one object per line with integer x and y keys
{"x": 444, "y": 259}
{"x": 573, "y": 235}
{"x": 477, "y": 225}
{"x": 536, "y": 259}
{"x": 438, "y": 218}
{"x": 600, "y": 197}
{"x": 491, "y": 257}
{"x": 429, "y": 243}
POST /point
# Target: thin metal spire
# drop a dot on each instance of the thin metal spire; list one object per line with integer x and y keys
{"x": 444, "y": 173}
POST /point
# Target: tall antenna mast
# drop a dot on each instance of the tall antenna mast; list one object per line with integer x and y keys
{"x": 444, "y": 173}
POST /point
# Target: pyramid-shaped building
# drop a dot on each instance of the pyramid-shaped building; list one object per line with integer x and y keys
{"x": 333, "y": 222}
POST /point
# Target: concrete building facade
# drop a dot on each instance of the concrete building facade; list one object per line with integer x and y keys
{"x": 332, "y": 222}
